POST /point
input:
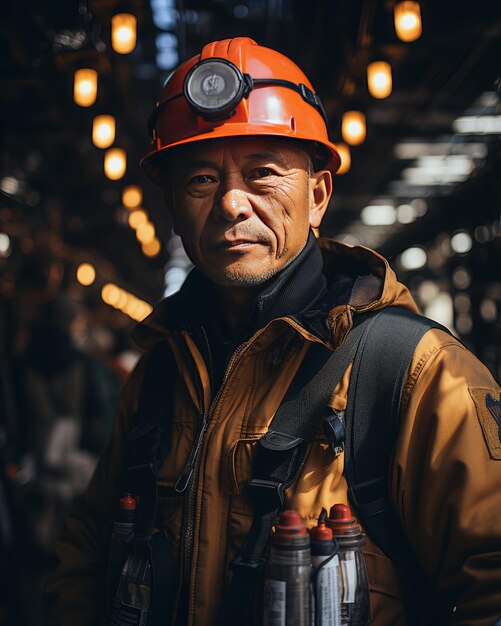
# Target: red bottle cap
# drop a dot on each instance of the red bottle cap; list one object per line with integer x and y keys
{"x": 290, "y": 524}
{"x": 321, "y": 533}
{"x": 128, "y": 502}
{"x": 341, "y": 520}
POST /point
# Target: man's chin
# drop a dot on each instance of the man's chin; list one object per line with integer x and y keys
{"x": 247, "y": 279}
{"x": 242, "y": 278}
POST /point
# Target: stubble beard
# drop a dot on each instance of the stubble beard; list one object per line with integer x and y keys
{"x": 234, "y": 277}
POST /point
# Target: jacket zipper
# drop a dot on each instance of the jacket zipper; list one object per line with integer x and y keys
{"x": 189, "y": 476}
{"x": 188, "y": 480}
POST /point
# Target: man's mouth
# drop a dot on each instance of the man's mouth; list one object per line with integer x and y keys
{"x": 236, "y": 244}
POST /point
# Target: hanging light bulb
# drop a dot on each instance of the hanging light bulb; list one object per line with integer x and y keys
{"x": 85, "y": 87}
{"x": 407, "y": 18}
{"x": 344, "y": 153}
{"x": 132, "y": 196}
{"x": 353, "y": 127}
{"x": 379, "y": 79}
{"x": 123, "y": 32}
{"x": 115, "y": 163}
{"x": 103, "y": 131}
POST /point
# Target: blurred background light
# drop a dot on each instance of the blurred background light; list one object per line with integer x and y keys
{"x": 115, "y": 163}
{"x": 85, "y": 87}
{"x": 461, "y": 242}
{"x": 132, "y": 196}
{"x": 379, "y": 79}
{"x": 345, "y": 154}
{"x": 488, "y": 310}
{"x": 407, "y": 20}
{"x": 461, "y": 278}
{"x": 137, "y": 217}
{"x": 478, "y": 125}
{"x": 103, "y": 131}
{"x": 406, "y": 213}
{"x": 378, "y": 215}
{"x": 428, "y": 291}
{"x": 5, "y": 245}
{"x": 152, "y": 248}
{"x": 413, "y": 258}
{"x": 123, "y": 32}
{"x": 9, "y": 185}
{"x": 441, "y": 309}
{"x": 145, "y": 232}
{"x": 353, "y": 127}
{"x": 86, "y": 274}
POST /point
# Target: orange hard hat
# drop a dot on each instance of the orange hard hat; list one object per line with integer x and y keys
{"x": 235, "y": 88}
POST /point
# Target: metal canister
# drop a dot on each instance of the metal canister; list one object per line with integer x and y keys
{"x": 288, "y": 575}
{"x": 354, "y": 586}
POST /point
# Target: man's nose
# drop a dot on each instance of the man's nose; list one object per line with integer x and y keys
{"x": 233, "y": 204}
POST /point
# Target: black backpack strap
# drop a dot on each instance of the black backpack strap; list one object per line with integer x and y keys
{"x": 276, "y": 463}
{"x": 372, "y": 417}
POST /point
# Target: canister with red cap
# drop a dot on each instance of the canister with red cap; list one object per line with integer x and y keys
{"x": 354, "y": 586}
{"x": 325, "y": 563}
{"x": 287, "y": 585}
{"x": 122, "y": 534}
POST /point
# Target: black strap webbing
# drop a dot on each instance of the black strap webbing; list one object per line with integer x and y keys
{"x": 372, "y": 418}
{"x": 277, "y": 460}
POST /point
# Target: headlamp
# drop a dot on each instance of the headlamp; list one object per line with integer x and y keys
{"x": 214, "y": 87}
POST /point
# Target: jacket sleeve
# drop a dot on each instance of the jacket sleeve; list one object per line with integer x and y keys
{"x": 75, "y": 594}
{"x": 446, "y": 477}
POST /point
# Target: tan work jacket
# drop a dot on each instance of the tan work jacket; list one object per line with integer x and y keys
{"x": 445, "y": 479}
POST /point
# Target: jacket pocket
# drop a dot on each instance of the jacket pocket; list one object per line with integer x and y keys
{"x": 237, "y": 468}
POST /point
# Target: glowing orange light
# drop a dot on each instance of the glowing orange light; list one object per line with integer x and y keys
{"x": 353, "y": 127}
{"x": 344, "y": 153}
{"x": 86, "y": 274}
{"x": 85, "y": 87}
{"x": 407, "y": 18}
{"x": 152, "y": 248}
{"x": 145, "y": 232}
{"x": 123, "y": 32}
{"x": 115, "y": 163}
{"x": 110, "y": 294}
{"x": 379, "y": 79}
{"x": 132, "y": 196}
{"x": 136, "y": 218}
{"x": 103, "y": 131}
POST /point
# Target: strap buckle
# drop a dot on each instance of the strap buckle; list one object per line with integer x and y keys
{"x": 246, "y": 566}
{"x": 334, "y": 431}
{"x": 267, "y": 493}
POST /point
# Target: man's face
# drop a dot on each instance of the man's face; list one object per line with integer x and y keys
{"x": 243, "y": 207}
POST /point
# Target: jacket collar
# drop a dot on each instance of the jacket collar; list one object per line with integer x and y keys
{"x": 354, "y": 280}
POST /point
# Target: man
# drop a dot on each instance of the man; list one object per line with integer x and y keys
{"x": 246, "y": 166}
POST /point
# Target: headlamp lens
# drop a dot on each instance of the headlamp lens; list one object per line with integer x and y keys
{"x": 214, "y": 87}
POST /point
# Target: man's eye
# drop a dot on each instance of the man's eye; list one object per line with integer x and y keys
{"x": 201, "y": 179}
{"x": 261, "y": 172}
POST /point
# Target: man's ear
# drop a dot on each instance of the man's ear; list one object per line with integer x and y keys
{"x": 320, "y": 194}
